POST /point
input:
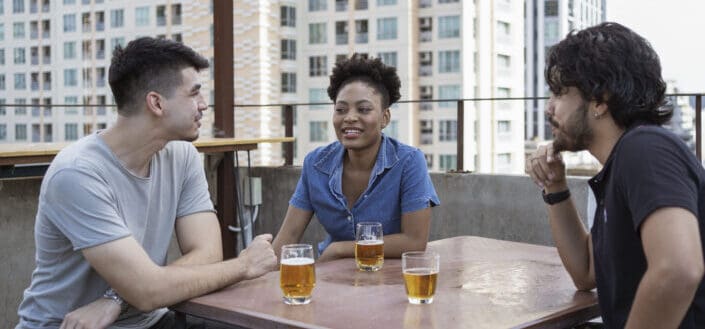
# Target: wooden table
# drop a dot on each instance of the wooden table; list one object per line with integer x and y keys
{"x": 483, "y": 283}
{"x": 34, "y": 153}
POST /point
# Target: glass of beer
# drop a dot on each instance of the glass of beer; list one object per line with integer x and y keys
{"x": 369, "y": 246}
{"x": 420, "y": 270}
{"x": 297, "y": 273}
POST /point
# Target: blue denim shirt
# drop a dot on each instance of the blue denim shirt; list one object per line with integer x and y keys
{"x": 399, "y": 183}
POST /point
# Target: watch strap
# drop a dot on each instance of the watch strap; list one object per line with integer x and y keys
{"x": 553, "y": 198}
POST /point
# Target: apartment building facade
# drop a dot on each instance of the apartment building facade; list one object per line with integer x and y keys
{"x": 57, "y": 52}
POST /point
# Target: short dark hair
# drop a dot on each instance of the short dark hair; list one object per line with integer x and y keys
{"x": 148, "y": 64}
{"x": 382, "y": 78}
{"x": 611, "y": 64}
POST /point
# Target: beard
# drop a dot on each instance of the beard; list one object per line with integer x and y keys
{"x": 575, "y": 134}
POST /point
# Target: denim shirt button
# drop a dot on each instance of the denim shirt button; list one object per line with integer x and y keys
{"x": 365, "y": 196}
{"x": 349, "y": 218}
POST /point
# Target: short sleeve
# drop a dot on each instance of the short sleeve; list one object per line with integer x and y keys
{"x": 654, "y": 172}
{"x": 417, "y": 191}
{"x": 194, "y": 196}
{"x": 82, "y": 207}
{"x": 301, "y": 198}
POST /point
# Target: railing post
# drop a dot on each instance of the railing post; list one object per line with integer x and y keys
{"x": 288, "y": 132}
{"x": 698, "y": 127}
{"x": 461, "y": 136}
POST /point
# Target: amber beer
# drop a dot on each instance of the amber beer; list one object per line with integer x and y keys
{"x": 420, "y": 269}
{"x": 420, "y": 285}
{"x": 297, "y": 275}
{"x": 369, "y": 254}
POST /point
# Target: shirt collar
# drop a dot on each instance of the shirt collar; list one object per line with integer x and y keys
{"x": 331, "y": 157}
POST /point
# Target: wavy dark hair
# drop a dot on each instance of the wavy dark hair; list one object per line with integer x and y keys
{"x": 382, "y": 78}
{"x": 148, "y": 64}
{"x": 611, "y": 64}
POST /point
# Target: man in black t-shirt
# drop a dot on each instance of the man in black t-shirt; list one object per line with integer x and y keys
{"x": 644, "y": 252}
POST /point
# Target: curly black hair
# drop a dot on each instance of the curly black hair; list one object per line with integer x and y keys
{"x": 609, "y": 63}
{"x": 382, "y": 78}
{"x": 148, "y": 64}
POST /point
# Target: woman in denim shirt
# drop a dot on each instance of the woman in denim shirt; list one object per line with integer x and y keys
{"x": 364, "y": 176}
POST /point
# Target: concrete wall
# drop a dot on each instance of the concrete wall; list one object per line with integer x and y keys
{"x": 500, "y": 207}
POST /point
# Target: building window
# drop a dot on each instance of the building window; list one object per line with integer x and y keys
{"x": 448, "y": 27}
{"x": 504, "y": 159}
{"x": 318, "y": 95}
{"x": 448, "y": 92}
{"x": 429, "y": 160}
{"x": 317, "y": 5}
{"x": 318, "y": 131}
{"x": 341, "y": 5}
{"x": 341, "y": 32}
{"x": 20, "y": 132}
{"x": 70, "y": 50}
{"x": 392, "y": 130}
{"x": 18, "y": 6}
{"x": 425, "y": 63}
{"x": 288, "y": 82}
{"x": 288, "y": 49}
{"x": 2, "y": 31}
{"x": 18, "y": 31}
{"x": 20, "y": 110}
{"x": 504, "y": 61}
{"x": 426, "y": 93}
{"x": 504, "y": 92}
{"x": 386, "y": 2}
{"x": 317, "y": 33}
{"x": 550, "y": 31}
{"x": 3, "y": 132}
{"x": 387, "y": 28}
{"x": 504, "y": 126}
{"x": 20, "y": 56}
{"x": 361, "y": 4}
{"x": 117, "y": 18}
{"x": 447, "y": 1}
{"x": 449, "y": 61}
{"x": 425, "y": 29}
{"x": 448, "y": 131}
{"x": 142, "y": 16}
{"x": 426, "y": 132}
{"x": 288, "y": 16}
{"x": 70, "y": 77}
{"x": 550, "y": 8}
{"x": 2, "y": 82}
{"x": 114, "y": 42}
{"x": 504, "y": 29}
{"x": 389, "y": 58}
{"x": 48, "y": 133}
{"x": 361, "y": 31}
{"x": 317, "y": 66}
{"x": 70, "y": 23}
{"x": 448, "y": 162}
{"x": 71, "y": 131}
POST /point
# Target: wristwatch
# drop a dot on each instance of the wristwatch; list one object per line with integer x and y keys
{"x": 113, "y": 295}
{"x": 553, "y": 198}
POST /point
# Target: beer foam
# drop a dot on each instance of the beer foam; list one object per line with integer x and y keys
{"x": 420, "y": 271}
{"x": 370, "y": 242}
{"x": 297, "y": 261}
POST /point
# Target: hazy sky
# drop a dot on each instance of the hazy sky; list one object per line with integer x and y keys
{"x": 676, "y": 29}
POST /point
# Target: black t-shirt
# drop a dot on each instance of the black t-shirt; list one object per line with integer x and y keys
{"x": 649, "y": 168}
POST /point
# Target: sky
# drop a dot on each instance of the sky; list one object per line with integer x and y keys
{"x": 675, "y": 28}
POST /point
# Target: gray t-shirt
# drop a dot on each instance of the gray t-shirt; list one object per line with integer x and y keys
{"x": 89, "y": 198}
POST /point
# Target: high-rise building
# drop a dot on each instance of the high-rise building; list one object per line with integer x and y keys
{"x": 443, "y": 49}
{"x": 58, "y": 52}
{"x": 548, "y": 22}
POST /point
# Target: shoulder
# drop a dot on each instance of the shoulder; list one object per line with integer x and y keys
{"x": 87, "y": 155}
{"x": 405, "y": 153}
{"x": 323, "y": 153}
{"x": 646, "y": 140}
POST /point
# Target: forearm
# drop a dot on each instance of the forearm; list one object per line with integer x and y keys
{"x": 661, "y": 300}
{"x": 572, "y": 240}
{"x": 397, "y": 244}
{"x": 168, "y": 285}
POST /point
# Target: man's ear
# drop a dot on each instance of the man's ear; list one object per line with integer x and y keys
{"x": 154, "y": 102}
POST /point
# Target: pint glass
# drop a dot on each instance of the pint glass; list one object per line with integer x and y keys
{"x": 297, "y": 273}
{"x": 420, "y": 270}
{"x": 369, "y": 246}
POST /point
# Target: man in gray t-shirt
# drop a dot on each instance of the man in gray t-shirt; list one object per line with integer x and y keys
{"x": 110, "y": 202}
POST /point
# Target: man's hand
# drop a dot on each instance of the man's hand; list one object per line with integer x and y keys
{"x": 259, "y": 257}
{"x": 547, "y": 169}
{"x": 98, "y": 314}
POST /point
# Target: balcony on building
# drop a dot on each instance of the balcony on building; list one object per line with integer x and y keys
{"x": 45, "y": 6}
{"x": 161, "y": 15}
{"x": 34, "y": 30}
{"x": 361, "y": 4}
{"x": 46, "y": 55}
{"x": 99, "y": 21}
{"x": 341, "y": 5}
{"x": 176, "y": 14}
{"x": 33, "y": 6}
